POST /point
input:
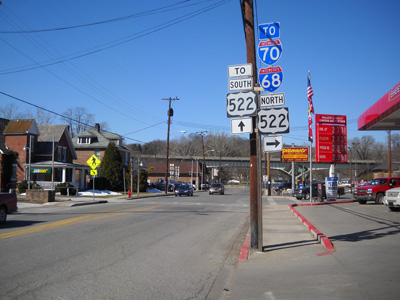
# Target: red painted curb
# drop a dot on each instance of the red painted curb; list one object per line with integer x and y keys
{"x": 325, "y": 241}
{"x": 244, "y": 253}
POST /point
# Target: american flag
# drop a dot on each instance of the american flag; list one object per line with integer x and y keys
{"x": 310, "y": 93}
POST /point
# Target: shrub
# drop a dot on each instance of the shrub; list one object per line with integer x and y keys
{"x": 63, "y": 188}
{"x": 22, "y": 186}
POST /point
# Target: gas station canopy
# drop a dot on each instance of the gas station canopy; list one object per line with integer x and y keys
{"x": 384, "y": 114}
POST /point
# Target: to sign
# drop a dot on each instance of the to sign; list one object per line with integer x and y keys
{"x": 241, "y": 104}
{"x": 269, "y": 51}
{"x": 270, "y": 78}
{"x": 240, "y": 126}
{"x": 269, "y": 31}
{"x": 272, "y": 143}
{"x": 240, "y": 70}
{"x": 272, "y": 121}
{"x": 241, "y": 84}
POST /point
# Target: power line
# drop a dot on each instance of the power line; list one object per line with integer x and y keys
{"x": 145, "y": 13}
{"x": 61, "y": 116}
{"x": 118, "y": 42}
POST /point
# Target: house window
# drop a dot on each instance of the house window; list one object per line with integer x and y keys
{"x": 83, "y": 140}
{"x": 65, "y": 153}
{"x": 59, "y": 152}
{"x": 14, "y": 172}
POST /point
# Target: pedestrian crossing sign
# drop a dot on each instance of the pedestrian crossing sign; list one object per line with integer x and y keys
{"x": 93, "y": 162}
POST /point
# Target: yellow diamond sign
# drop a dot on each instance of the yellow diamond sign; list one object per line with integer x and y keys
{"x": 93, "y": 162}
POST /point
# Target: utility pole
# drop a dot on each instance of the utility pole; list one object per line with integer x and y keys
{"x": 170, "y": 114}
{"x": 255, "y": 195}
{"x": 202, "y": 133}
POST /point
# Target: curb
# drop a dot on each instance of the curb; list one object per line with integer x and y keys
{"x": 89, "y": 203}
{"x": 322, "y": 238}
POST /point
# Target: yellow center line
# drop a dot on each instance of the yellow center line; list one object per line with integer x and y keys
{"x": 77, "y": 220}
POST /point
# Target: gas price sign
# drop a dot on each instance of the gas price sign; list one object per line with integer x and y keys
{"x": 269, "y": 52}
{"x": 270, "y": 78}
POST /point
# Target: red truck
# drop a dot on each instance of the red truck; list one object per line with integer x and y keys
{"x": 375, "y": 191}
{"x": 8, "y": 204}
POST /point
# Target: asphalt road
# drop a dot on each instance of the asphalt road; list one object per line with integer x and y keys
{"x": 158, "y": 248}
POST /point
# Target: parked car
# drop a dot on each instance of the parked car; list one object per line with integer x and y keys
{"x": 282, "y": 186}
{"x": 8, "y": 204}
{"x": 305, "y": 192}
{"x": 216, "y": 188}
{"x": 376, "y": 190}
{"x": 392, "y": 199}
{"x": 184, "y": 189}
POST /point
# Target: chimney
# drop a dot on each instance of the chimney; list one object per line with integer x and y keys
{"x": 97, "y": 127}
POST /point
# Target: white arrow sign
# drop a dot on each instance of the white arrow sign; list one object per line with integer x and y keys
{"x": 272, "y": 143}
{"x": 240, "y": 126}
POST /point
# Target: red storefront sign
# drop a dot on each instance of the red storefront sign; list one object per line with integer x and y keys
{"x": 331, "y": 138}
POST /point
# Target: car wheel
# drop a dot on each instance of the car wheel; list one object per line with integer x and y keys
{"x": 209, "y": 193}
{"x": 307, "y": 196}
{"x": 362, "y": 201}
{"x": 392, "y": 208}
{"x": 3, "y": 215}
{"x": 379, "y": 199}
{"x": 299, "y": 197}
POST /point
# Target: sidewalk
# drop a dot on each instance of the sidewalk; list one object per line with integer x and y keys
{"x": 293, "y": 264}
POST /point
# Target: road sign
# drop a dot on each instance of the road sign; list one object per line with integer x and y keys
{"x": 240, "y": 126}
{"x": 270, "y": 78}
{"x": 272, "y": 100}
{"x": 93, "y": 162}
{"x": 269, "y": 31}
{"x": 241, "y": 104}
{"x": 272, "y": 143}
{"x": 269, "y": 52}
{"x": 271, "y": 121}
{"x": 93, "y": 172}
{"x": 240, "y": 70}
{"x": 241, "y": 84}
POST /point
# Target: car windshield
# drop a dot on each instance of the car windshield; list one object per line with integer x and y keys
{"x": 379, "y": 182}
{"x": 216, "y": 185}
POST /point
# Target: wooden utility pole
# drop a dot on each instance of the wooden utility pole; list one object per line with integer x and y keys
{"x": 248, "y": 19}
{"x": 170, "y": 114}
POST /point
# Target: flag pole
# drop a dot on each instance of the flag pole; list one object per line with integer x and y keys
{"x": 310, "y": 93}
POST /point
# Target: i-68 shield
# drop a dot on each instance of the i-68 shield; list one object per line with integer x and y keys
{"x": 241, "y": 104}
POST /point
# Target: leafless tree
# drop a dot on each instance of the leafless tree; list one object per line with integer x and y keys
{"x": 41, "y": 117}
{"x": 10, "y": 112}
{"x": 79, "y": 119}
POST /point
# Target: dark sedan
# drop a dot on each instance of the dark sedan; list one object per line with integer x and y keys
{"x": 184, "y": 190}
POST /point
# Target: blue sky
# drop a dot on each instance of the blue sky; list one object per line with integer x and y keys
{"x": 183, "y": 49}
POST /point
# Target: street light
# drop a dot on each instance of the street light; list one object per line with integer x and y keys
{"x": 29, "y": 164}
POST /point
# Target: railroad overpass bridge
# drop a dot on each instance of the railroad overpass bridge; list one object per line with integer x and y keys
{"x": 359, "y": 166}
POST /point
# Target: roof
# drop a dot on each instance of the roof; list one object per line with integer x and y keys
{"x": 21, "y": 127}
{"x": 99, "y": 140}
{"x": 50, "y": 132}
{"x": 384, "y": 114}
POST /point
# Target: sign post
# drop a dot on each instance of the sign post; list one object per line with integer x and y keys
{"x": 93, "y": 162}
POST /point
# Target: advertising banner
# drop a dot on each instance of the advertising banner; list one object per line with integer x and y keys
{"x": 294, "y": 154}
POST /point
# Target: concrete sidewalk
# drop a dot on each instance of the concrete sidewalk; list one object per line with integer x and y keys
{"x": 293, "y": 265}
